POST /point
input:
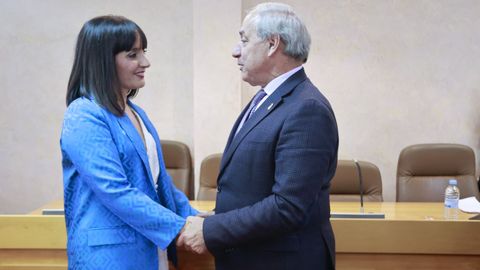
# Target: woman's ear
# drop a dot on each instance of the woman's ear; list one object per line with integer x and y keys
{"x": 274, "y": 44}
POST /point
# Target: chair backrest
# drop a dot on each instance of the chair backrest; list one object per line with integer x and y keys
{"x": 208, "y": 177}
{"x": 345, "y": 184}
{"x": 179, "y": 166}
{"x": 423, "y": 172}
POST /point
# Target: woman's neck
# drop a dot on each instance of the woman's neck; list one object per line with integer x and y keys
{"x": 125, "y": 99}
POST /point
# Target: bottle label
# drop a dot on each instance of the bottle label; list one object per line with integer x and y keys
{"x": 451, "y": 203}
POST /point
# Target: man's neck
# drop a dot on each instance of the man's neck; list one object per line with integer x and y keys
{"x": 275, "y": 83}
{"x": 284, "y": 64}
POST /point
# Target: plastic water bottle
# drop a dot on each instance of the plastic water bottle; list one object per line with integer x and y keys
{"x": 452, "y": 195}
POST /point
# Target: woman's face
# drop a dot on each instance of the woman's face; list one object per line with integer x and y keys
{"x": 131, "y": 67}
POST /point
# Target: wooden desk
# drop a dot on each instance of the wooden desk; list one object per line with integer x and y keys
{"x": 412, "y": 236}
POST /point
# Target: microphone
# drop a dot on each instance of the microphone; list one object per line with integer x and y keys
{"x": 48, "y": 212}
{"x": 360, "y": 184}
{"x": 361, "y": 214}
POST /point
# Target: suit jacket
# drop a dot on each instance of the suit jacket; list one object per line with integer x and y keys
{"x": 272, "y": 209}
{"x": 115, "y": 216}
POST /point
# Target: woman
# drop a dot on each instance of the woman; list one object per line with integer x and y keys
{"x": 115, "y": 214}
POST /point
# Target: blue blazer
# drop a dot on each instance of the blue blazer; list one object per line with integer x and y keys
{"x": 115, "y": 215}
{"x": 272, "y": 209}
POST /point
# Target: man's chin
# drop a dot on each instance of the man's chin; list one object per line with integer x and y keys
{"x": 247, "y": 79}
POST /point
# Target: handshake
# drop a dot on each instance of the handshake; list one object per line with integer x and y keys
{"x": 191, "y": 235}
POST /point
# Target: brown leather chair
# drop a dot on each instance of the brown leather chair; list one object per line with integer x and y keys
{"x": 423, "y": 172}
{"x": 208, "y": 177}
{"x": 345, "y": 185}
{"x": 179, "y": 166}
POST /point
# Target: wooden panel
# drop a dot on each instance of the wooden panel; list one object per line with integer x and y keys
{"x": 56, "y": 260}
{"x": 31, "y": 232}
{"x": 402, "y": 236}
{"x": 412, "y": 236}
{"x": 398, "y": 211}
{"x": 30, "y": 259}
{"x": 392, "y": 210}
{"x": 346, "y": 261}
{"x": 189, "y": 261}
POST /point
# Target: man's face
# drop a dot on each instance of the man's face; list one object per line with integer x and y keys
{"x": 252, "y": 55}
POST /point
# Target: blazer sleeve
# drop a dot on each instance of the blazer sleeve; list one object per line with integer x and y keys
{"x": 304, "y": 156}
{"x": 87, "y": 141}
{"x": 182, "y": 204}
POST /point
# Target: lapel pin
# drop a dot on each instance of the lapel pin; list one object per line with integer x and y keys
{"x": 270, "y": 106}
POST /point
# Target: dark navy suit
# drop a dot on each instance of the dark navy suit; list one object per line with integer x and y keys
{"x": 272, "y": 209}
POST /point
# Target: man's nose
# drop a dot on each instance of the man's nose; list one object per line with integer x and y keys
{"x": 236, "y": 52}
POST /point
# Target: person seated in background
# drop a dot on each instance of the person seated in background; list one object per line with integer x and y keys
{"x": 121, "y": 209}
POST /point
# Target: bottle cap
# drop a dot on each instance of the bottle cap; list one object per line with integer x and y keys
{"x": 452, "y": 182}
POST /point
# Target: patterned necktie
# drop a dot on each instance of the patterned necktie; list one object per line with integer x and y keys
{"x": 256, "y": 99}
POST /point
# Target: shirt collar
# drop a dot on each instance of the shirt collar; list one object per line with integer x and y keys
{"x": 275, "y": 83}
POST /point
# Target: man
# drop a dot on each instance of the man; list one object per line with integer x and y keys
{"x": 272, "y": 209}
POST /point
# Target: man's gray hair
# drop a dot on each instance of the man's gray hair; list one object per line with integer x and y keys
{"x": 271, "y": 19}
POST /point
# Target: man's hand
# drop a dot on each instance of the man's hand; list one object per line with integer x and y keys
{"x": 191, "y": 236}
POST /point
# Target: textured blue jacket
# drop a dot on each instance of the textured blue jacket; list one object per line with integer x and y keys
{"x": 115, "y": 215}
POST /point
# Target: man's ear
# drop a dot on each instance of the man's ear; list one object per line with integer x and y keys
{"x": 273, "y": 43}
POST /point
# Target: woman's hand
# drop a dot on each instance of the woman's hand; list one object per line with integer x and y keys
{"x": 204, "y": 214}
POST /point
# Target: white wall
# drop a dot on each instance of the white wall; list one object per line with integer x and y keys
{"x": 396, "y": 73}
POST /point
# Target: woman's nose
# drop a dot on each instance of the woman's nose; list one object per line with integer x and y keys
{"x": 145, "y": 63}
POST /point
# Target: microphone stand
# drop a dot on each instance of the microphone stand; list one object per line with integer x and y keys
{"x": 361, "y": 214}
{"x": 360, "y": 183}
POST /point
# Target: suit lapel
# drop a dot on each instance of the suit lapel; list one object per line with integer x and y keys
{"x": 233, "y": 131}
{"x": 268, "y": 106}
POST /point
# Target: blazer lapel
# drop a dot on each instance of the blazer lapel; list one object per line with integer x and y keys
{"x": 269, "y": 105}
{"x": 137, "y": 142}
{"x": 166, "y": 199}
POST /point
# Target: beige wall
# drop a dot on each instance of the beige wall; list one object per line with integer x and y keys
{"x": 37, "y": 39}
{"x": 396, "y": 73}
{"x": 216, "y": 81}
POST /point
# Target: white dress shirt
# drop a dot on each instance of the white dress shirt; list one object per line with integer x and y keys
{"x": 269, "y": 89}
{"x": 152, "y": 154}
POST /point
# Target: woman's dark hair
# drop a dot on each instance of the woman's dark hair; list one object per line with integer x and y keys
{"x": 94, "y": 71}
